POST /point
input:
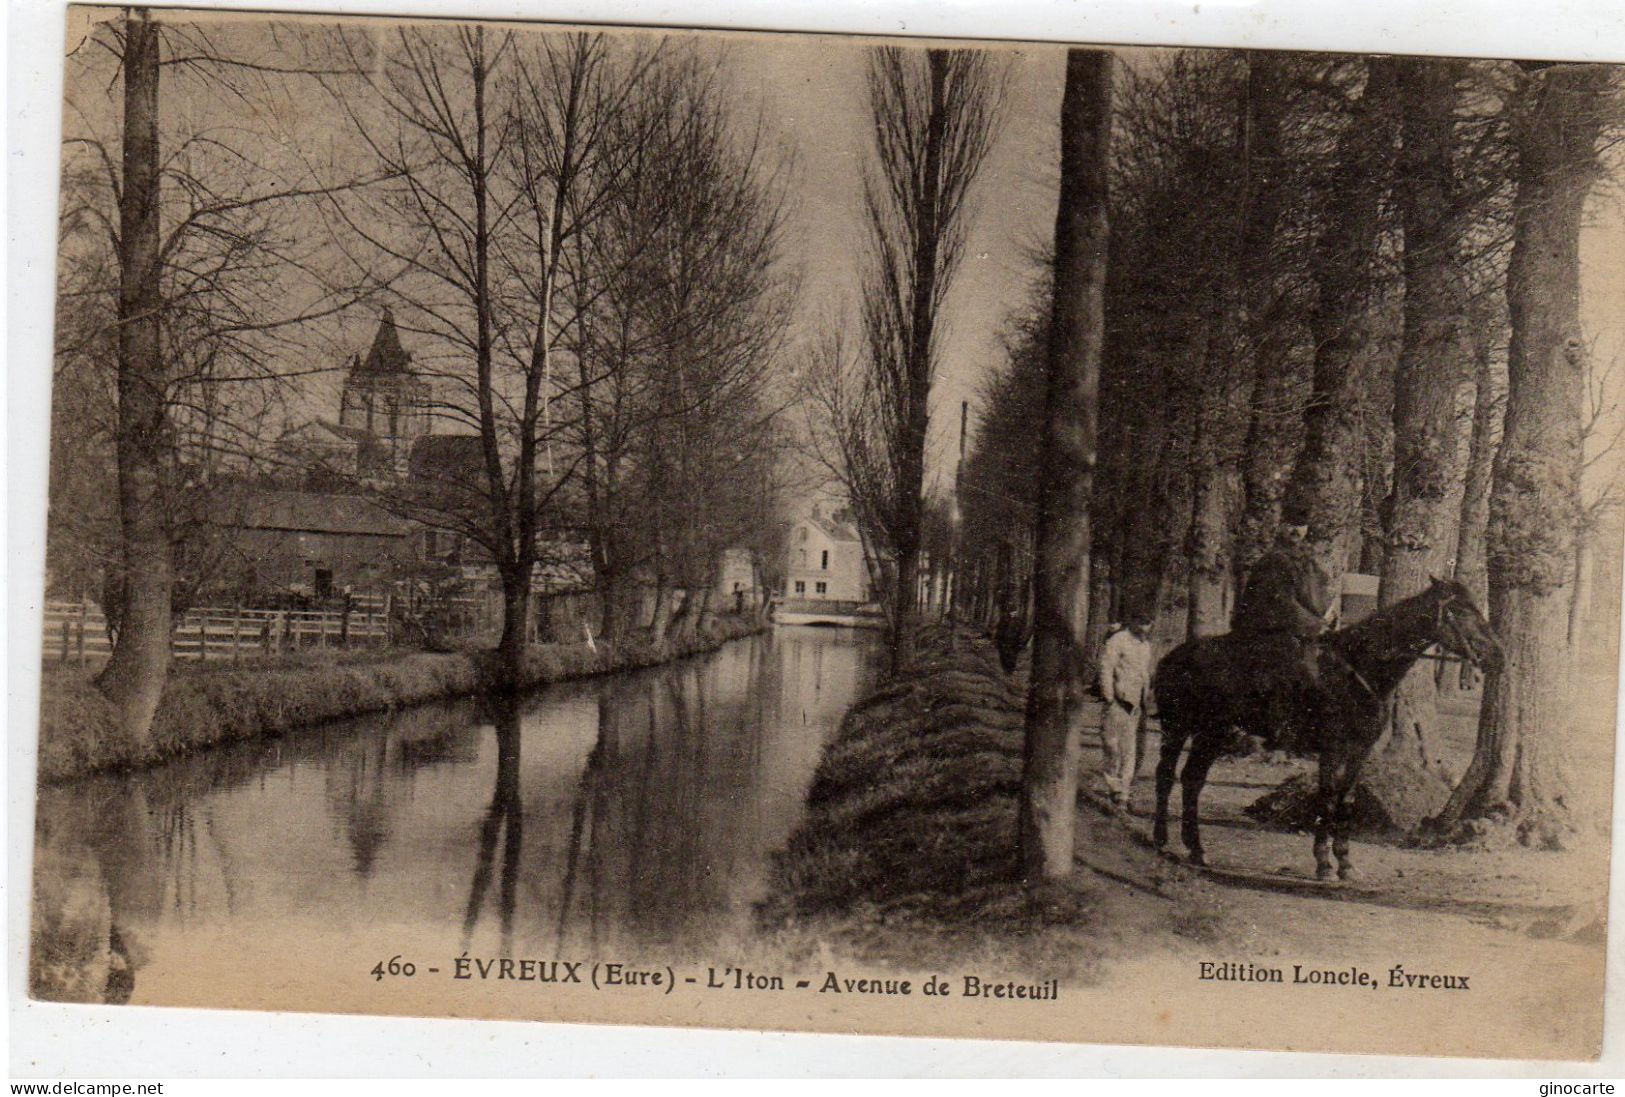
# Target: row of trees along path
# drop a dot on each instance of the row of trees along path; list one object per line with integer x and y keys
{"x": 1292, "y": 238}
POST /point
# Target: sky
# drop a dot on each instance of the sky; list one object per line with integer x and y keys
{"x": 815, "y": 98}
{"x": 812, "y": 92}
{"x": 808, "y": 92}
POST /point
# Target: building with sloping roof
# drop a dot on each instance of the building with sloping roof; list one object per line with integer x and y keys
{"x": 826, "y": 561}
{"x": 316, "y": 544}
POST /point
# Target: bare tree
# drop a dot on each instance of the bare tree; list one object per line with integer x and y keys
{"x": 1489, "y": 413}
{"x": 1239, "y": 480}
{"x": 1324, "y": 491}
{"x": 134, "y": 676}
{"x": 213, "y": 286}
{"x": 683, "y": 306}
{"x": 1601, "y": 492}
{"x": 935, "y": 114}
{"x": 502, "y": 151}
{"x": 1049, "y": 782}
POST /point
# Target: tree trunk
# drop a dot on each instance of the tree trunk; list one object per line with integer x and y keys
{"x": 1101, "y": 593}
{"x": 1158, "y": 493}
{"x": 705, "y": 620}
{"x": 1520, "y": 766}
{"x": 665, "y": 608}
{"x": 515, "y": 613}
{"x": 1327, "y": 480}
{"x": 685, "y": 625}
{"x": 1208, "y": 538}
{"x": 1267, "y": 450}
{"x": 1432, "y": 364}
{"x": 134, "y": 676}
{"x": 610, "y": 595}
{"x": 903, "y": 623}
{"x": 1489, "y": 407}
{"x": 1049, "y": 784}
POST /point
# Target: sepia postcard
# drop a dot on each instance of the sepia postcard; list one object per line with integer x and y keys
{"x": 834, "y": 534}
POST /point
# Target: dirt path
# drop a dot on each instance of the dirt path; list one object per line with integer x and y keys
{"x": 1544, "y": 894}
{"x": 904, "y": 865}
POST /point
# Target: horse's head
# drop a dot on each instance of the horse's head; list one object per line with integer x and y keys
{"x": 1461, "y": 629}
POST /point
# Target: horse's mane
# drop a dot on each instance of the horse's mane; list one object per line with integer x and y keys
{"x": 1376, "y": 633}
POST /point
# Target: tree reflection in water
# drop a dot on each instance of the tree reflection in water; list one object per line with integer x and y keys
{"x": 631, "y": 815}
{"x": 505, "y": 818}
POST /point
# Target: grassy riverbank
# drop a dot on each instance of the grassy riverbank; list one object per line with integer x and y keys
{"x": 907, "y": 853}
{"x": 207, "y": 705}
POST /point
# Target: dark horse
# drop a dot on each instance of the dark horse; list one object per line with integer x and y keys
{"x": 1208, "y": 686}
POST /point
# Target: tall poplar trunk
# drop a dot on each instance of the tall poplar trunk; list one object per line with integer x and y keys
{"x": 1520, "y": 765}
{"x": 1049, "y": 784}
{"x": 1489, "y": 406}
{"x": 134, "y": 676}
{"x": 1580, "y": 599}
{"x": 1325, "y": 490}
{"x": 1237, "y": 448}
{"x": 1267, "y": 450}
{"x": 1208, "y": 537}
{"x": 1433, "y": 361}
{"x": 910, "y": 502}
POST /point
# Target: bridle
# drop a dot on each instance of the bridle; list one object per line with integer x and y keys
{"x": 1444, "y": 625}
{"x": 1461, "y": 651}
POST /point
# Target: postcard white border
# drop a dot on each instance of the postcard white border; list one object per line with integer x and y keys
{"x": 83, "y": 1042}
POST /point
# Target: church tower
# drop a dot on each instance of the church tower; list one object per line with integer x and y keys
{"x": 383, "y": 397}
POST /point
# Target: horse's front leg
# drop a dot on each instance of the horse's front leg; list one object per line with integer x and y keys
{"x": 1343, "y": 819}
{"x": 1204, "y": 749}
{"x": 1167, "y": 765}
{"x": 1326, "y": 797}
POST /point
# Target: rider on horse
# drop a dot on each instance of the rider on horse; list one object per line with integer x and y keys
{"x": 1284, "y": 607}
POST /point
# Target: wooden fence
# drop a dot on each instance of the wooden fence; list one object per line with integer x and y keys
{"x": 76, "y": 632}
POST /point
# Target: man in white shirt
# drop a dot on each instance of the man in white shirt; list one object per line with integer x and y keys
{"x": 1125, "y": 674}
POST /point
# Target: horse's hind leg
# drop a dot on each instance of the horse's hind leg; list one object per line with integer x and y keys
{"x": 1167, "y": 765}
{"x": 1204, "y": 749}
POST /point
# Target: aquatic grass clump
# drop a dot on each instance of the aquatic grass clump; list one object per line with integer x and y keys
{"x": 913, "y": 806}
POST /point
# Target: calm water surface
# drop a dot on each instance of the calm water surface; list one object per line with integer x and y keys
{"x": 629, "y": 815}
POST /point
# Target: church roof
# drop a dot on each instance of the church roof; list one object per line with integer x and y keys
{"x": 387, "y": 358}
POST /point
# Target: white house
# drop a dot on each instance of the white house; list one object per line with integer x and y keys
{"x": 826, "y": 562}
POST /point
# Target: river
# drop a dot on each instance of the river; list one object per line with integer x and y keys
{"x": 632, "y": 815}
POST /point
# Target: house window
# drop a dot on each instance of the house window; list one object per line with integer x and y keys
{"x": 824, "y": 565}
{"x": 801, "y": 587}
{"x": 822, "y": 588}
{"x": 801, "y": 534}
{"x": 801, "y": 558}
